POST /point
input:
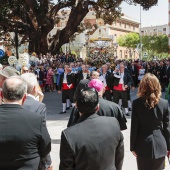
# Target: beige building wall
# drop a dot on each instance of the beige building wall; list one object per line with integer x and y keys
{"x": 121, "y": 27}
{"x": 155, "y": 30}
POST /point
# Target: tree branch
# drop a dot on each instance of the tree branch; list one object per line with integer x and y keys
{"x": 59, "y": 6}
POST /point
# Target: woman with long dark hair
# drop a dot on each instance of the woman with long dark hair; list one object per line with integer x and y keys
{"x": 150, "y": 127}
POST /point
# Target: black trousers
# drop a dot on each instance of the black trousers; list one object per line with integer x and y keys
{"x": 128, "y": 94}
{"x": 120, "y": 95}
{"x": 107, "y": 95}
{"x": 150, "y": 164}
{"x": 67, "y": 94}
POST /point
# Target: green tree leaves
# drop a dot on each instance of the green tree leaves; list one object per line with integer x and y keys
{"x": 129, "y": 40}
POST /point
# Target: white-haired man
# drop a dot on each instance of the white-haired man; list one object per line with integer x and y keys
{"x": 32, "y": 104}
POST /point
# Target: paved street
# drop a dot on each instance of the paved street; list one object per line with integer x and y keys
{"x": 56, "y": 123}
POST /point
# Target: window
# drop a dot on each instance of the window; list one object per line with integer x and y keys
{"x": 115, "y": 37}
{"x": 120, "y": 53}
{"x": 164, "y": 29}
{"x": 125, "y": 26}
{"x": 120, "y": 24}
{"x": 133, "y": 28}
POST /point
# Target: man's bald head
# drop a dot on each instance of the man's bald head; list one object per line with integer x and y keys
{"x": 14, "y": 88}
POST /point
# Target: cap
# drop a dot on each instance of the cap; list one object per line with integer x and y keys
{"x": 9, "y": 71}
{"x": 96, "y": 84}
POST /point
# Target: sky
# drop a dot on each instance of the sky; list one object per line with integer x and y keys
{"x": 156, "y": 15}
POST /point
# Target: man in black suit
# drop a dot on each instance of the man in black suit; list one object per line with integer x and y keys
{"x": 107, "y": 108}
{"x": 162, "y": 75}
{"x": 167, "y": 72}
{"x": 96, "y": 142}
{"x": 23, "y": 135}
{"x": 35, "y": 106}
{"x": 106, "y": 78}
{"x": 84, "y": 74}
{"x": 67, "y": 86}
{"x": 121, "y": 83}
{"x": 134, "y": 74}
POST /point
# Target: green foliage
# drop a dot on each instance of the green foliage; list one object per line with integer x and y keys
{"x": 129, "y": 40}
{"x": 155, "y": 44}
{"x": 36, "y": 18}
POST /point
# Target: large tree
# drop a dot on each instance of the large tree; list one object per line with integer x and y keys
{"x": 36, "y": 18}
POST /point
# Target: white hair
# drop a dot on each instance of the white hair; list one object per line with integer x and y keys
{"x": 31, "y": 81}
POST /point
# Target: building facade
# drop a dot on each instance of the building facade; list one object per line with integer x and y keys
{"x": 119, "y": 28}
{"x": 155, "y": 30}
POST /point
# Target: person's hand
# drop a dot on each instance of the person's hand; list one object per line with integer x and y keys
{"x": 111, "y": 91}
{"x": 50, "y": 168}
{"x": 133, "y": 88}
{"x": 126, "y": 86}
{"x": 59, "y": 91}
{"x": 41, "y": 95}
{"x": 134, "y": 153}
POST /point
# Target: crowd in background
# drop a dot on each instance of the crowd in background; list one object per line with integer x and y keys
{"x": 48, "y": 69}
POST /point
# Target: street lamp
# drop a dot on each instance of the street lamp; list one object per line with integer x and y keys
{"x": 141, "y": 33}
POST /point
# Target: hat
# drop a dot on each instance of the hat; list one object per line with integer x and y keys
{"x": 96, "y": 84}
{"x": 9, "y": 71}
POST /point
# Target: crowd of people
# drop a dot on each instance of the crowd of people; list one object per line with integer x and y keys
{"x": 50, "y": 71}
{"x": 93, "y": 139}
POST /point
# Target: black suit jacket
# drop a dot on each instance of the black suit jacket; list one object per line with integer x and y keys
{"x": 79, "y": 77}
{"x": 38, "y": 108}
{"x": 109, "y": 80}
{"x": 94, "y": 143}
{"x": 127, "y": 80}
{"x": 23, "y": 138}
{"x": 70, "y": 80}
{"x": 106, "y": 108}
{"x": 150, "y": 129}
{"x": 35, "y": 107}
{"x": 168, "y": 72}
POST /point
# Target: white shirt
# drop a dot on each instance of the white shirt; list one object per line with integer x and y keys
{"x": 65, "y": 78}
{"x": 84, "y": 75}
{"x": 103, "y": 79}
{"x": 32, "y": 96}
{"x": 121, "y": 81}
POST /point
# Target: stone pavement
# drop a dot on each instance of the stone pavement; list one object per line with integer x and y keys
{"x": 56, "y": 123}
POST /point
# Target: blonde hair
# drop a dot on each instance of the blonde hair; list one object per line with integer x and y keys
{"x": 150, "y": 90}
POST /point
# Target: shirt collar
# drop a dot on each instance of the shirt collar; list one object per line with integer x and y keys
{"x": 32, "y": 96}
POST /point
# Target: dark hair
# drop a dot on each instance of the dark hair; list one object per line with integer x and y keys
{"x": 14, "y": 91}
{"x": 87, "y": 101}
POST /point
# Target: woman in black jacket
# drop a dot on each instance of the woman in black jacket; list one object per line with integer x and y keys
{"x": 150, "y": 127}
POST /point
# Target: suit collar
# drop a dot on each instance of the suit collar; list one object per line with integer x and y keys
{"x": 29, "y": 96}
{"x": 11, "y": 106}
{"x": 87, "y": 116}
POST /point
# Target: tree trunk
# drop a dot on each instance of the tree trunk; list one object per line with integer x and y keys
{"x": 38, "y": 40}
{"x": 62, "y": 36}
